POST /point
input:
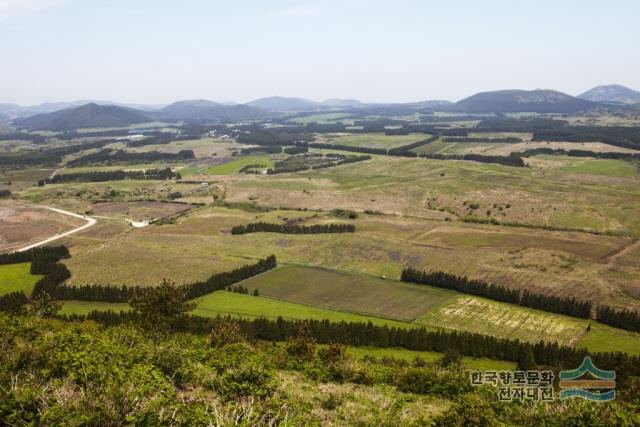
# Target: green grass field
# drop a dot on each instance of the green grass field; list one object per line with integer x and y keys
{"x": 224, "y": 303}
{"x": 427, "y": 356}
{"x": 249, "y": 306}
{"x": 605, "y": 338}
{"x": 359, "y": 293}
{"x": 605, "y": 167}
{"x": 16, "y": 278}
{"x": 86, "y": 307}
{"x": 230, "y": 167}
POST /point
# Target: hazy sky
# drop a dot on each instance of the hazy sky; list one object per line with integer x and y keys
{"x": 157, "y": 51}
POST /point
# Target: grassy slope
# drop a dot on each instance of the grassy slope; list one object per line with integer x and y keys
{"x": 221, "y": 303}
{"x": 16, "y": 277}
{"x": 339, "y": 290}
{"x": 488, "y": 317}
{"x": 427, "y": 356}
{"x": 606, "y": 338}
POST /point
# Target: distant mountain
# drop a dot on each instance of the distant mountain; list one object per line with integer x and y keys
{"x": 202, "y": 110}
{"x": 337, "y": 102}
{"x": 611, "y": 93}
{"x": 283, "y": 104}
{"x": 434, "y": 103}
{"x": 520, "y": 101}
{"x": 86, "y": 116}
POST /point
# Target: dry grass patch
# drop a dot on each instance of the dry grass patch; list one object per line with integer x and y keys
{"x": 478, "y": 315}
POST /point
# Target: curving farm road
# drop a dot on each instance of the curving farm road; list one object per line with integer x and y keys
{"x": 90, "y": 222}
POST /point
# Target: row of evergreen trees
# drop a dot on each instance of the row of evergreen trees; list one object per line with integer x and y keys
{"x": 51, "y": 252}
{"x": 579, "y": 153}
{"x": 513, "y": 160}
{"x": 109, "y": 156}
{"x": 462, "y": 284}
{"x": 216, "y": 282}
{"x": 508, "y": 140}
{"x": 257, "y": 227}
{"x": 553, "y": 304}
{"x": 117, "y": 175}
{"x": 43, "y": 261}
{"x": 420, "y": 339}
{"x": 623, "y": 319}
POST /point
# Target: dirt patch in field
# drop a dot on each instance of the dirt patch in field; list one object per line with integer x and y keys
{"x": 139, "y": 210}
{"x": 20, "y": 226}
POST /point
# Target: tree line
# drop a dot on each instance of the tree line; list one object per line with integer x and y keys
{"x": 620, "y": 136}
{"x": 109, "y": 156}
{"x": 53, "y": 252}
{"x": 419, "y": 339}
{"x": 623, "y": 319}
{"x": 579, "y": 153}
{"x": 509, "y": 140}
{"x": 160, "y": 138}
{"x": 512, "y": 160}
{"x": 118, "y": 175}
{"x": 216, "y": 282}
{"x": 50, "y": 156}
{"x": 553, "y": 304}
{"x": 23, "y": 136}
{"x": 43, "y": 260}
{"x": 405, "y": 150}
{"x": 257, "y": 227}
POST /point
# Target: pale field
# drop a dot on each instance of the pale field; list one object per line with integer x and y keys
{"x": 21, "y": 225}
{"x": 488, "y": 317}
{"x": 505, "y": 149}
{"x": 371, "y": 140}
{"x": 205, "y": 147}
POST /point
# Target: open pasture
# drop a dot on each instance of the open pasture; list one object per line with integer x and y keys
{"x": 21, "y": 225}
{"x": 347, "y": 291}
{"x": 584, "y": 245}
{"x": 232, "y": 166}
{"x": 139, "y": 210}
{"x": 574, "y": 264}
{"x": 205, "y": 147}
{"x": 16, "y": 278}
{"x": 224, "y": 303}
{"x": 16, "y": 180}
{"x": 537, "y": 197}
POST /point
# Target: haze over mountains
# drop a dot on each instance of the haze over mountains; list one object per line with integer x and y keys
{"x": 86, "y": 116}
{"x": 520, "y": 101}
{"x": 82, "y": 114}
{"x": 612, "y": 93}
